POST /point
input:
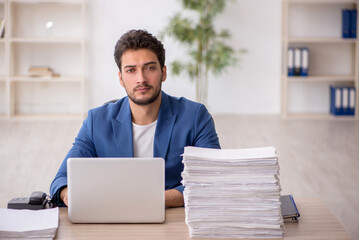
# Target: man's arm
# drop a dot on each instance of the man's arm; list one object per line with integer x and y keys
{"x": 82, "y": 147}
{"x": 206, "y": 135}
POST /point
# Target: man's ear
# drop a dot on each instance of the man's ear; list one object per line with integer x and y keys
{"x": 164, "y": 73}
{"x": 120, "y": 76}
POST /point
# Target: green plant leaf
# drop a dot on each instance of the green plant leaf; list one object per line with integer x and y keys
{"x": 207, "y": 51}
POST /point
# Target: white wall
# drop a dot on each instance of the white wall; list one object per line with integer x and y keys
{"x": 252, "y": 87}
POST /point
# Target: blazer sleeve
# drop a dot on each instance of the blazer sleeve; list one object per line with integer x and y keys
{"x": 205, "y": 132}
{"x": 82, "y": 147}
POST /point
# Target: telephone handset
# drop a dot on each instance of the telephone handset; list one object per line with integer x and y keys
{"x": 37, "y": 200}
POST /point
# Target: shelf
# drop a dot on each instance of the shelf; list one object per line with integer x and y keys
{"x": 43, "y": 33}
{"x": 63, "y": 58}
{"x": 321, "y": 40}
{"x": 324, "y": 79}
{"x": 47, "y": 116}
{"x": 46, "y": 79}
{"x": 48, "y": 1}
{"x": 319, "y": 116}
{"x": 46, "y": 40}
{"x": 38, "y": 14}
{"x": 322, "y": 1}
{"x": 333, "y": 60}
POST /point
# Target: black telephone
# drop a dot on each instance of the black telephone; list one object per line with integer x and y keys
{"x": 37, "y": 200}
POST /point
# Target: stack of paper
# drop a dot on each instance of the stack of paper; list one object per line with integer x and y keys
{"x": 32, "y": 224}
{"x": 232, "y": 193}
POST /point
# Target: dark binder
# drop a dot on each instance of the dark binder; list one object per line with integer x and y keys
{"x": 335, "y": 109}
{"x": 353, "y": 24}
{"x": 297, "y": 61}
{"x": 289, "y": 209}
{"x": 346, "y": 22}
{"x": 342, "y": 100}
{"x": 352, "y": 101}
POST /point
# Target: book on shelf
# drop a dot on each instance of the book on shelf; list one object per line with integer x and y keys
{"x": 342, "y": 100}
{"x": 42, "y": 71}
{"x": 298, "y": 61}
{"x": 2, "y": 28}
{"x": 349, "y": 23}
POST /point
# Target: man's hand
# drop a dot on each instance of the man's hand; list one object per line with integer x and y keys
{"x": 173, "y": 198}
{"x": 64, "y": 196}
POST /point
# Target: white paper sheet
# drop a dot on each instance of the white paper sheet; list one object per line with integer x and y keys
{"x": 228, "y": 154}
{"x": 28, "y": 223}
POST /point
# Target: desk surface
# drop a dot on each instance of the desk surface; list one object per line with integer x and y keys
{"x": 316, "y": 222}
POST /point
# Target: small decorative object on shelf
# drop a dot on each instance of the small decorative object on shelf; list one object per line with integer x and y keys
{"x": 42, "y": 71}
{"x": 49, "y": 28}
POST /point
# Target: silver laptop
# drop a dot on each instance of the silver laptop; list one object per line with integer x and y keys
{"x": 116, "y": 190}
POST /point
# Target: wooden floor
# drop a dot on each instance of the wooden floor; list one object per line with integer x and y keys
{"x": 318, "y": 158}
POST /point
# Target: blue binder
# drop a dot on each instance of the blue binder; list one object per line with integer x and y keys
{"x": 297, "y": 61}
{"x": 342, "y": 100}
{"x": 335, "y": 100}
{"x": 290, "y": 61}
{"x": 345, "y": 101}
{"x": 352, "y": 101}
{"x": 346, "y": 22}
{"x": 304, "y": 52}
{"x": 353, "y": 24}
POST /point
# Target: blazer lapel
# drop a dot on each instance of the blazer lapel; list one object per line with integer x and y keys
{"x": 164, "y": 128}
{"x": 122, "y": 129}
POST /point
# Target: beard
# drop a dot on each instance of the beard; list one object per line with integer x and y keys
{"x": 145, "y": 101}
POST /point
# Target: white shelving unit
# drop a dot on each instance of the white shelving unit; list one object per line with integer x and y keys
{"x": 2, "y": 65}
{"x": 333, "y": 60}
{"x": 29, "y": 41}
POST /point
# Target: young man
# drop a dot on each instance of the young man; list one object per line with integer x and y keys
{"x": 146, "y": 123}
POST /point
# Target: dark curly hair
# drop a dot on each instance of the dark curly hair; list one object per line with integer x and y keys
{"x": 139, "y": 39}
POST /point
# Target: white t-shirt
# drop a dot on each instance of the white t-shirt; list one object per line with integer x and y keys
{"x": 143, "y": 139}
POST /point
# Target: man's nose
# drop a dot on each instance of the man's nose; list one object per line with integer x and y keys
{"x": 141, "y": 77}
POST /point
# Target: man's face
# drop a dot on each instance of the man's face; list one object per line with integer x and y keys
{"x": 141, "y": 76}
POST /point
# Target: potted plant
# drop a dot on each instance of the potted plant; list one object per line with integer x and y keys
{"x": 208, "y": 52}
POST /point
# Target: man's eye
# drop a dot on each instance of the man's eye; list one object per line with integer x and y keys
{"x": 150, "y": 68}
{"x": 131, "y": 70}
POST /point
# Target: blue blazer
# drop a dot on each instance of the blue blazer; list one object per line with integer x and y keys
{"x": 107, "y": 132}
